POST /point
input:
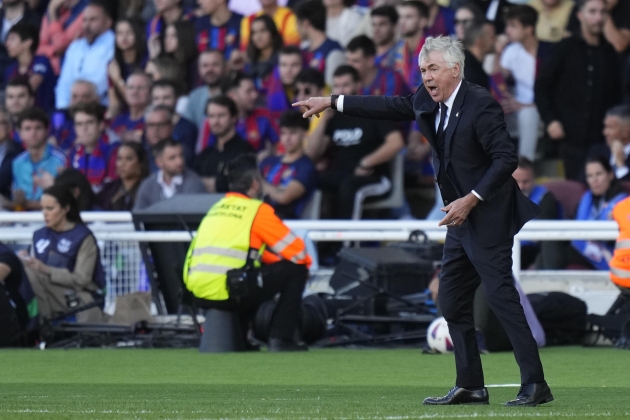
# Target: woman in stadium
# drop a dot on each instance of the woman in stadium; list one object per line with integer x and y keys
{"x": 605, "y": 191}
{"x": 132, "y": 166}
{"x": 179, "y": 44}
{"x": 64, "y": 267}
{"x": 262, "y": 51}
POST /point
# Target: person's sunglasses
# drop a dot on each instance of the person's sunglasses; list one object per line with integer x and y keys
{"x": 462, "y": 21}
{"x": 305, "y": 91}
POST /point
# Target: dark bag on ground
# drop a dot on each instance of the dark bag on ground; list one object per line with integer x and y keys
{"x": 611, "y": 324}
{"x": 562, "y": 316}
{"x": 10, "y": 328}
{"x": 419, "y": 245}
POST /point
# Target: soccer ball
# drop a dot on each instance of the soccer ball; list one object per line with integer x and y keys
{"x": 438, "y": 337}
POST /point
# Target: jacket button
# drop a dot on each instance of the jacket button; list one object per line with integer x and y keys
{"x": 446, "y": 202}
{"x": 440, "y": 186}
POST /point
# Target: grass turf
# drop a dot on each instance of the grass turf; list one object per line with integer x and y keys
{"x": 340, "y": 384}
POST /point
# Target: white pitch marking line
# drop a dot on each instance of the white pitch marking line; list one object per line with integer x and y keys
{"x": 503, "y": 386}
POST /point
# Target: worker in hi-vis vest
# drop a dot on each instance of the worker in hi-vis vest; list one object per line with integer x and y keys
{"x": 620, "y": 265}
{"x": 243, "y": 255}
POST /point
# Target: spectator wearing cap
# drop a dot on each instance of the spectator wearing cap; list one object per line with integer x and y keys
{"x": 283, "y": 18}
{"x": 440, "y": 20}
{"x": 62, "y": 24}
{"x": 319, "y": 52}
{"x": 383, "y": 21}
{"x": 87, "y": 57}
{"x": 129, "y": 125}
{"x": 576, "y": 85}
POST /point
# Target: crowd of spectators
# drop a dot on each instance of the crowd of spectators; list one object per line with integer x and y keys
{"x": 148, "y": 99}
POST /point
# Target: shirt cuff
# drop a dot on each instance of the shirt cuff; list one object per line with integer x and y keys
{"x": 621, "y": 172}
{"x": 340, "y": 103}
{"x": 477, "y": 195}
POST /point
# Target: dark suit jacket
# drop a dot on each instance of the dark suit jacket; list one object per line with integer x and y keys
{"x": 6, "y": 168}
{"x": 479, "y": 154}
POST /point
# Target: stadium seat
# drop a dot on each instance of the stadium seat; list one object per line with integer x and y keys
{"x": 393, "y": 200}
{"x": 221, "y": 332}
{"x": 568, "y": 193}
{"x": 313, "y": 208}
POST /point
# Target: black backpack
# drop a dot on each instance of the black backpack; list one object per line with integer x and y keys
{"x": 562, "y": 316}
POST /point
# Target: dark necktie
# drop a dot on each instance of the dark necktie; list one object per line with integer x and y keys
{"x": 440, "y": 130}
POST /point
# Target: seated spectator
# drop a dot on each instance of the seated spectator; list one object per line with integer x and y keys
{"x": 309, "y": 82}
{"x": 159, "y": 126}
{"x": 262, "y": 51}
{"x": 375, "y": 80}
{"x": 440, "y": 20}
{"x": 61, "y": 25}
{"x": 617, "y": 135}
{"x": 167, "y": 12}
{"x": 18, "y": 97}
{"x": 289, "y": 179}
{"x": 92, "y": 154}
{"x": 218, "y": 28}
{"x": 173, "y": 178}
{"x": 129, "y": 125}
{"x": 361, "y": 149}
{"x": 596, "y": 204}
{"x": 553, "y": 18}
{"x": 254, "y": 124}
{"x": 412, "y": 23}
{"x": 211, "y": 67}
{"x": 226, "y": 145}
{"x": 526, "y": 179}
{"x": 464, "y": 15}
{"x": 493, "y": 10}
{"x": 164, "y": 92}
{"x": 479, "y": 42}
{"x": 179, "y": 44}
{"x": 342, "y": 21}
{"x": 79, "y": 186}
{"x": 36, "y": 167}
{"x": 279, "y": 86}
{"x": 21, "y": 45}
{"x": 87, "y": 57}
{"x": 14, "y": 284}
{"x": 65, "y": 259}
{"x": 132, "y": 167}
{"x": 319, "y": 52}
{"x": 520, "y": 61}
{"x": 130, "y": 56}
{"x": 9, "y": 149}
{"x": 283, "y": 18}
{"x": 384, "y": 20}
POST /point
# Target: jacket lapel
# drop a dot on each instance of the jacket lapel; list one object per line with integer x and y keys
{"x": 453, "y": 120}
{"x": 425, "y": 115}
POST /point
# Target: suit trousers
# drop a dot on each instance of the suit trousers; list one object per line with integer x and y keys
{"x": 465, "y": 266}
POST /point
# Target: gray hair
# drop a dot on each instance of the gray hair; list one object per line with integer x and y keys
{"x": 452, "y": 50}
{"x": 89, "y": 84}
{"x": 160, "y": 108}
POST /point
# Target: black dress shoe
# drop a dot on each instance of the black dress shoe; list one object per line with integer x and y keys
{"x": 276, "y": 345}
{"x": 459, "y": 395}
{"x": 531, "y": 395}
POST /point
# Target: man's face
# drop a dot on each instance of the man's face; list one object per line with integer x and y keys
{"x": 17, "y": 99}
{"x": 171, "y": 160}
{"x": 137, "y": 91}
{"x": 344, "y": 85}
{"x": 221, "y": 122}
{"x": 383, "y": 29}
{"x": 439, "y": 80}
{"x": 515, "y": 30}
{"x": 616, "y": 129}
{"x": 33, "y": 133}
{"x": 359, "y": 61}
{"x": 157, "y": 126}
{"x": 163, "y": 95}
{"x": 292, "y": 139}
{"x": 15, "y": 45}
{"x": 303, "y": 91}
{"x": 209, "y": 6}
{"x": 211, "y": 67}
{"x": 593, "y": 16}
{"x": 409, "y": 21}
{"x": 290, "y": 66}
{"x": 525, "y": 180}
{"x": 162, "y": 5}
{"x": 95, "y": 22}
{"x": 245, "y": 95}
{"x": 488, "y": 38}
{"x": 82, "y": 93}
{"x": 463, "y": 17}
{"x": 87, "y": 128}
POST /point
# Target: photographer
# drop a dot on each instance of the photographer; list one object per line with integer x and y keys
{"x": 238, "y": 233}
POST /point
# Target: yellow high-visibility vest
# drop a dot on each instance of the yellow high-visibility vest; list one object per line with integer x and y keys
{"x": 221, "y": 244}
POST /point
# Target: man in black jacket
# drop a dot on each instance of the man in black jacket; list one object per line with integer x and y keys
{"x": 474, "y": 158}
{"x": 579, "y": 81}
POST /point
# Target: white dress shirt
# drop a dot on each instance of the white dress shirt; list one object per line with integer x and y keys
{"x": 169, "y": 190}
{"x": 621, "y": 171}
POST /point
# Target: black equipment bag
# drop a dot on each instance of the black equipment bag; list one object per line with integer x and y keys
{"x": 419, "y": 245}
{"x": 562, "y": 316}
{"x": 10, "y": 327}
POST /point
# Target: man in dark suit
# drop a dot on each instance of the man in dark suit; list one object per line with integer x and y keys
{"x": 474, "y": 158}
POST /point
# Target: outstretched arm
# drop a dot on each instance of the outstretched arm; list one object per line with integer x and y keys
{"x": 391, "y": 108}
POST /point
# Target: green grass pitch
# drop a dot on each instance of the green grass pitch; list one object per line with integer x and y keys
{"x": 320, "y": 384}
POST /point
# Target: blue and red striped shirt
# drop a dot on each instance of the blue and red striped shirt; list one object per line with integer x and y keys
{"x": 123, "y": 123}
{"x": 226, "y": 37}
{"x": 96, "y": 166}
{"x": 277, "y": 99}
{"x": 317, "y": 59}
{"x": 257, "y": 129}
{"x": 444, "y": 23}
{"x": 407, "y": 64}
{"x": 45, "y": 94}
{"x": 387, "y": 82}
